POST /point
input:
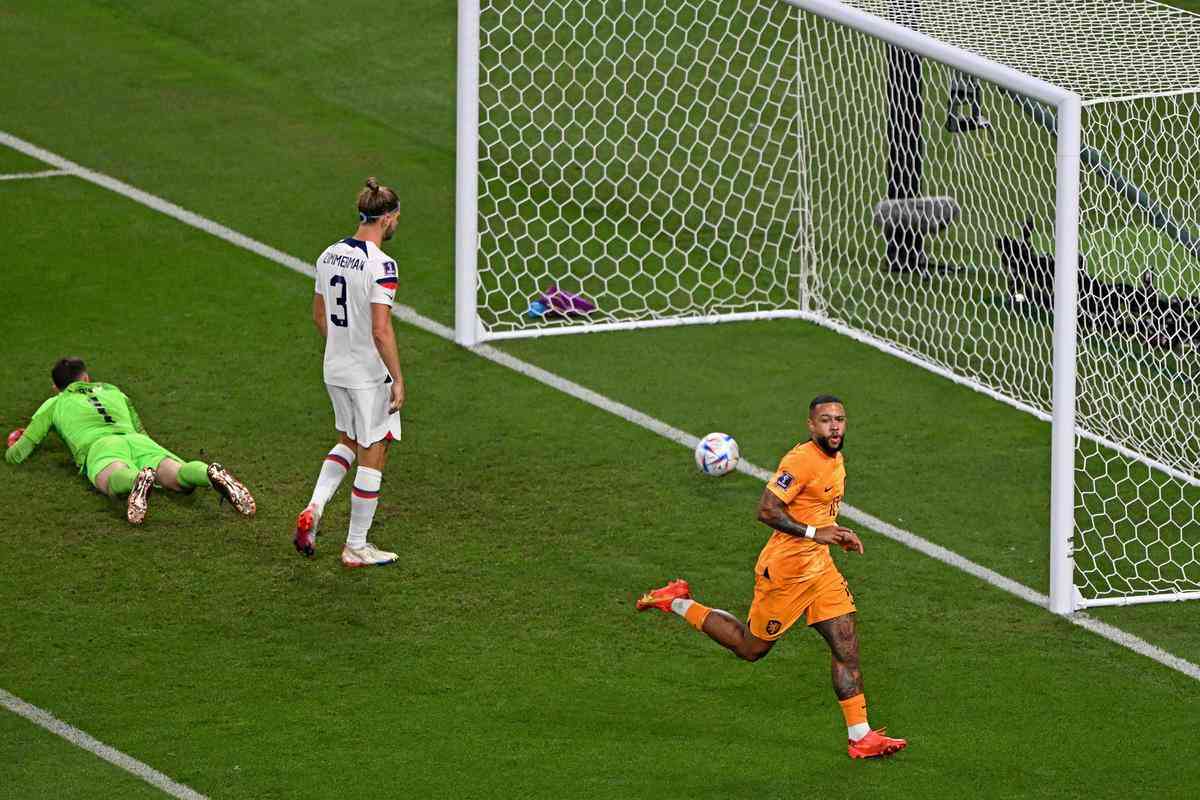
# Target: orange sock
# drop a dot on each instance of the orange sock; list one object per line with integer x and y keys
{"x": 854, "y": 709}
{"x": 696, "y": 614}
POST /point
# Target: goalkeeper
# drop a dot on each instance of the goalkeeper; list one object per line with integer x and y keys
{"x": 100, "y": 426}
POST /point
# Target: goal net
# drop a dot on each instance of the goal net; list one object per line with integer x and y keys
{"x": 637, "y": 164}
{"x": 977, "y": 298}
{"x": 893, "y": 170}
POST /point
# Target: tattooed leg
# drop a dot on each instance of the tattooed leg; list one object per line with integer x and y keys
{"x": 843, "y": 646}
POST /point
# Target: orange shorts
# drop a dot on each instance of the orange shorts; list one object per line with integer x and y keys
{"x": 778, "y": 604}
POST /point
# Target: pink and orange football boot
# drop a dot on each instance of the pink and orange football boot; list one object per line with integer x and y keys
{"x": 875, "y": 745}
{"x": 661, "y": 598}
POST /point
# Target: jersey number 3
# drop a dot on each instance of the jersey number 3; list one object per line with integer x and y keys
{"x": 344, "y": 319}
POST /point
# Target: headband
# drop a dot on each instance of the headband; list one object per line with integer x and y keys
{"x": 365, "y": 217}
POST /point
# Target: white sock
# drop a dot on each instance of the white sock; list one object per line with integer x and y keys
{"x": 680, "y": 605}
{"x": 333, "y": 469}
{"x": 856, "y": 732}
{"x": 364, "y": 497}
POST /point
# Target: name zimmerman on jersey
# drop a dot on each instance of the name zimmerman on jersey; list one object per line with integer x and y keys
{"x": 344, "y": 261}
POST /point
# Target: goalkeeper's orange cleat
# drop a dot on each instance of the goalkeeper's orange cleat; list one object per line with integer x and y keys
{"x": 661, "y": 598}
{"x": 875, "y": 744}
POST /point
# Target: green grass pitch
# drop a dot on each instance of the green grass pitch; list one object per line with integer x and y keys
{"x": 502, "y": 657}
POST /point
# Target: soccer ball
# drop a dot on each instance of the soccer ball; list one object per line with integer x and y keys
{"x": 717, "y": 454}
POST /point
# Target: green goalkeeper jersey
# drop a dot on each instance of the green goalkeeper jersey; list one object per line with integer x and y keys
{"x": 82, "y": 413}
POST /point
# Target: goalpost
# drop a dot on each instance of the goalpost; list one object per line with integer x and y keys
{"x": 1006, "y": 194}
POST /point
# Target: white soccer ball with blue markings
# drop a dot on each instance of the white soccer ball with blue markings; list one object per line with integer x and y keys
{"x": 717, "y": 454}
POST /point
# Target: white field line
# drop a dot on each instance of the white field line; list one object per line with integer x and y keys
{"x": 81, "y": 739}
{"x": 621, "y": 410}
{"x": 25, "y": 176}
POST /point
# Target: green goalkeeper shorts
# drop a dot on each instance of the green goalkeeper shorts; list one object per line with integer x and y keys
{"x": 134, "y": 449}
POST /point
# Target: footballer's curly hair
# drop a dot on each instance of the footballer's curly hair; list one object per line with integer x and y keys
{"x": 66, "y": 371}
{"x": 821, "y": 400}
{"x": 375, "y": 200}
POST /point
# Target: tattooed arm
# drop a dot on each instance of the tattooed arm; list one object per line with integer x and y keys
{"x": 772, "y": 512}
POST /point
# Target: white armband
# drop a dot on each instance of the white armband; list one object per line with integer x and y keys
{"x": 810, "y": 532}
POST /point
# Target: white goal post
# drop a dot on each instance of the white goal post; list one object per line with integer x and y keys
{"x": 1005, "y": 194}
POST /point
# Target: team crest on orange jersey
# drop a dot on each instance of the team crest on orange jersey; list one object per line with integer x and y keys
{"x": 773, "y": 627}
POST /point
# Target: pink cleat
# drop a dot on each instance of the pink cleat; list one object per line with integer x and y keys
{"x": 875, "y": 745}
{"x": 306, "y": 532}
{"x": 661, "y": 598}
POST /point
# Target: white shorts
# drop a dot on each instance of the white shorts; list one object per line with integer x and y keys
{"x": 362, "y": 414}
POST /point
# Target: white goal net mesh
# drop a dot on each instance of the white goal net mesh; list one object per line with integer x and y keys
{"x": 638, "y": 155}
{"x": 1095, "y": 48}
{"x": 906, "y": 213}
{"x": 1138, "y": 513}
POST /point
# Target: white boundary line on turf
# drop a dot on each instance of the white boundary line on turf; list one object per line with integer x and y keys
{"x": 25, "y": 176}
{"x": 92, "y": 745}
{"x": 621, "y": 410}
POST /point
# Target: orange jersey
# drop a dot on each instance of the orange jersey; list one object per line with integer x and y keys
{"x": 812, "y": 484}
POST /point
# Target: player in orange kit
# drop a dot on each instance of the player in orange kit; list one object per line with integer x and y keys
{"x": 795, "y": 575}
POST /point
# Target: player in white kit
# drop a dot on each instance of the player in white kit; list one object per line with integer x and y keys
{"x": 355, "y": 289}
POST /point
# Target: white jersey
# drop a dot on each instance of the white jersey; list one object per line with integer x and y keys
{"x": 351, "y": 275}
